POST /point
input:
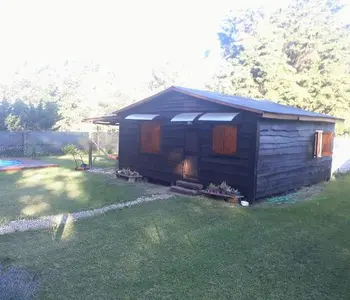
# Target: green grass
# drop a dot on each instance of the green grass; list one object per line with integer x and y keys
{"x": 99, "y": 161}
{"x": 196, "y": 249}
{"x": 38, "y": 192}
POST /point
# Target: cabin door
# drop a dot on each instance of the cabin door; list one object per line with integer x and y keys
{"x": 191, "y": 150}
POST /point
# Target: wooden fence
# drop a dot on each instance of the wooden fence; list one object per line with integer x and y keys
{"x": 52, "y": 142}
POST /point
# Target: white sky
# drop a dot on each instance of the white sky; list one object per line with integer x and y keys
{"x": 111, "y": 31}
{"x": 132, "y": 35}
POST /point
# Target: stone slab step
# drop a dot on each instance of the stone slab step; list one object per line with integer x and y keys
{"x": 189, "y": 185}
{"x": 184, "y": 191}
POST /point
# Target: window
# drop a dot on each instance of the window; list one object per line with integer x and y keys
{"x": 323, "y": 146}
{"x": 225, "y": 139}
{"x": 150, "y": 137}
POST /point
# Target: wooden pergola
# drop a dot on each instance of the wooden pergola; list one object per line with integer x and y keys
{"x": 111, "y": 120}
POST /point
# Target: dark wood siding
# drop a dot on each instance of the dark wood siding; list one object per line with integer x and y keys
{"x": 238, "y": 169}
{"x": 129, "y": 144}
{"x": 173, "y": 103}
{"x": 166, "y": 165}
{"x": 285, "y": 156}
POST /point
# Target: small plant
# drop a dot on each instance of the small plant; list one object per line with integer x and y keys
{"x": 71, "y": 149}
{"x": 222, "y": 189}
{"x": 34, "y": 150}
{"x": 128, "y": 172}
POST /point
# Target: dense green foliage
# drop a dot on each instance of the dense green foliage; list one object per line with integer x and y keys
{"x": 75, "y": 90}
{"x": 297, "y": 55}
{"x": 22, "y": 116}
{"x": 186, "y": 248}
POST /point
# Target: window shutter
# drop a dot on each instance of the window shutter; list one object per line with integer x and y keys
{"x": 150, "y": 137}
{"x": 225, "y": 139}
{"x": 230, "y": 140}
{"x": 218, "y": 139}
{"x": 145, "y": 137}
{"x": 156, "y": 138}
{"x": 327, "y": 144}
{"x": 318, "y": 144}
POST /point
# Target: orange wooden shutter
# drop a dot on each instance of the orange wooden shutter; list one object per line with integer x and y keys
{"x": 150, "y": 137}
{"x": 327, "y": 144}
{"x": 225, "y": 139}
{"x": 156, "y": 138}
{"x": 318, "y": 144}
{"x": 218, "y": 139}
{"x": 230, "y": 140}
{"x": 144, "y": 137}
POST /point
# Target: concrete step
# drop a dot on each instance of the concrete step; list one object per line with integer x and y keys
{"x": 184, "y": 191}
{"x": 189, "y": 185}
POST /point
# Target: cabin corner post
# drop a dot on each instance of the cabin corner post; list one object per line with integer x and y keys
{"x": 256, "y": 159}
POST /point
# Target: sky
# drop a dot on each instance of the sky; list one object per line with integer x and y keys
{"x": 120, "y": 32}
{"x": 130, "y": 37}
{"x": 81, "y": 28}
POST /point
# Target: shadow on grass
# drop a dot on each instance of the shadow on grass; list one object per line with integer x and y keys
{"x": 194, "y": 248}
{"x": 39, "y": 192}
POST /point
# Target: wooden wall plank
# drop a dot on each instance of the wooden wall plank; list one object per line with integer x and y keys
{"x": 286, "y": 160}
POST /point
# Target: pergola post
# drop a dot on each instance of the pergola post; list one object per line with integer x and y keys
{"x": 90, "y": 150}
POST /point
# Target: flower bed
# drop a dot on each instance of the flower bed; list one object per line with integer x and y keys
{"x": 129, "y": 175}
{"x": 223, "y": 191}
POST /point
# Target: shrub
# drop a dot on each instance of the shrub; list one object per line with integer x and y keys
{"x": 70, "y": 149}
{"x": 74, "y": 151}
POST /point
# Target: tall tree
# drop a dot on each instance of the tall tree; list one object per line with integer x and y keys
{"x": 4, "y": 112}
{"x": 298, "y": 55}
{"x": 22, "y": 116}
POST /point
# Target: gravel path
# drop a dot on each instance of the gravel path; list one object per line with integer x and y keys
{"x": 58, "y": 220}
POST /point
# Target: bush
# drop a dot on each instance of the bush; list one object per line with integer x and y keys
{"x": 70, "y": 149}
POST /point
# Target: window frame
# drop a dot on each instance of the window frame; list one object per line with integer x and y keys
{"x": 213, "y": 153}
{"x": 318, "y": 150}
{"x": 140, "y": 138}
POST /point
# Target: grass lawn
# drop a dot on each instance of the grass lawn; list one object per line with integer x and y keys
{"x": 196, "y": 249}
{"x": 38, "y": 192}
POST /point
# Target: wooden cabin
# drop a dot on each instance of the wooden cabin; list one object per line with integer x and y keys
{"x": 257, "y": 146}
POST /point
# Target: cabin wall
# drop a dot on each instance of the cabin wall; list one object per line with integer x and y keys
{"x": 172, "y": 103}
{"x": 166, "y": 165}
{"x": 285, "y": 156}
{"x": 237, "y": 170}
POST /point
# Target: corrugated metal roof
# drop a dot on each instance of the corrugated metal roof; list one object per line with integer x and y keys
{"x": 264, "y": 106}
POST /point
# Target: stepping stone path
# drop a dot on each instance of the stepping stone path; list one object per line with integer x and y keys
{"x": 57, "y": 220}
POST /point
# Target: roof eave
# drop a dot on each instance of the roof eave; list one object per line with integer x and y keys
{"x": 143, "y": 100}
{"x": 301, "y": 118}
{"x": 176, "y": 89}
{"x": 103, "y": 120}
{"x": 217, "y": 101}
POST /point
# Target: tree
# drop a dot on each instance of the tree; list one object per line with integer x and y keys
{"x": 297, "y": 55}
{"x": 20, "y": 116}
{"x": 13, "y": 123}
{"x": 4, "y": 112}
